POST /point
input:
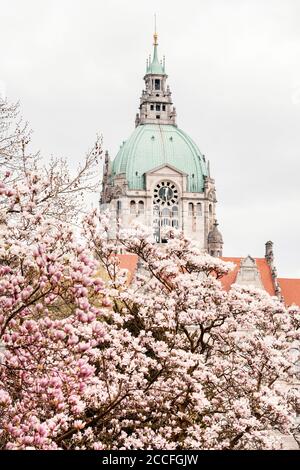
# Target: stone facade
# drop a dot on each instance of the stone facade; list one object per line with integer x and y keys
{"x": 248, "y": 274}
{"x": 193, "y": 213}
{"x": 163, "y": 195}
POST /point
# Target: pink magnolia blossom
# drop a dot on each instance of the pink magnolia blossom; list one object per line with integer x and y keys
{"x": 168, "y": 361}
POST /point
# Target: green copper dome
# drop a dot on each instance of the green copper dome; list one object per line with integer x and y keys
{"x": 153, "y": 145}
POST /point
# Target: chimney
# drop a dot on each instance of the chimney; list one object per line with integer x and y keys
{"x": 269, "y": 255}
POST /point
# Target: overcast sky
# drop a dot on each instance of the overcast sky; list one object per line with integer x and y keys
{"x": 234, "y": 70}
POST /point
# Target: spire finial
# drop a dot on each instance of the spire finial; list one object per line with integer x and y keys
{"x": 155, "y": 32}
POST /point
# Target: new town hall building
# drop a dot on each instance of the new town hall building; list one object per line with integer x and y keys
{"x": 160, "y": 178}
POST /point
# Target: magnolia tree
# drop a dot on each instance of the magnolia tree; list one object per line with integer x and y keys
{"x": 53, "y": 190}
{"x": 14, "y": 136}
{"x": 168, "y": 361}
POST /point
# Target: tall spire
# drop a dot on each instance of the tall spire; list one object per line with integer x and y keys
{"x": 156, "y": 106}
{"x": 155, "y": 67}
{"x": 155, "y": 35}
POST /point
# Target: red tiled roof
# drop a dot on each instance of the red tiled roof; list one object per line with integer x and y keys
{"x": 263, "y": 268}
{"x": 128, "y": 261}
{"x": 290, "y": 289}
{"x": 230, "y": 278}
{"x": 265, "y": 274}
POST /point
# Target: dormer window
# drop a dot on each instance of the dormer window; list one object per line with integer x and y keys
{"x": 157, "y": 84}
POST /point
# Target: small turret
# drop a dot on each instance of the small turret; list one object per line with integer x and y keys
{"x": 215, "y": 241}
{"x": 137, "y": 120}
{"x": 105, "y": 193}
{"x": 269, "y": 255}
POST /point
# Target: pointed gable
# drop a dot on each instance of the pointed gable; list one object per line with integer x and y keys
{"x": 262, "y": 267}
{"x": 169, "y": 170}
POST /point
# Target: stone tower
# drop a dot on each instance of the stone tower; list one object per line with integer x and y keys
{"x": 269, "y": 256}
{"x": 156, "y": 102}
{"x": 159, "y": 176}
{"x": 215, "y": 241}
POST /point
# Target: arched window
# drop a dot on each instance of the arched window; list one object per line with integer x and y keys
{"x": 165, "y": 221}
{"x": 166, "y": 212}
{"x": 141, "y": 207}
{"x": 165, "y": 209}
{"x": 191, "y": 208}
{"x": 132, "y": 207}
{"x": 156, "y": 211}
{"x": 157, "y": 84}
{"x": 199, "y": 209}
{"x": 174, "y": 211}
{"x": 175, "y": 221}
{"x": 210, "y": 209}
{"x": 156, "y": 230}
